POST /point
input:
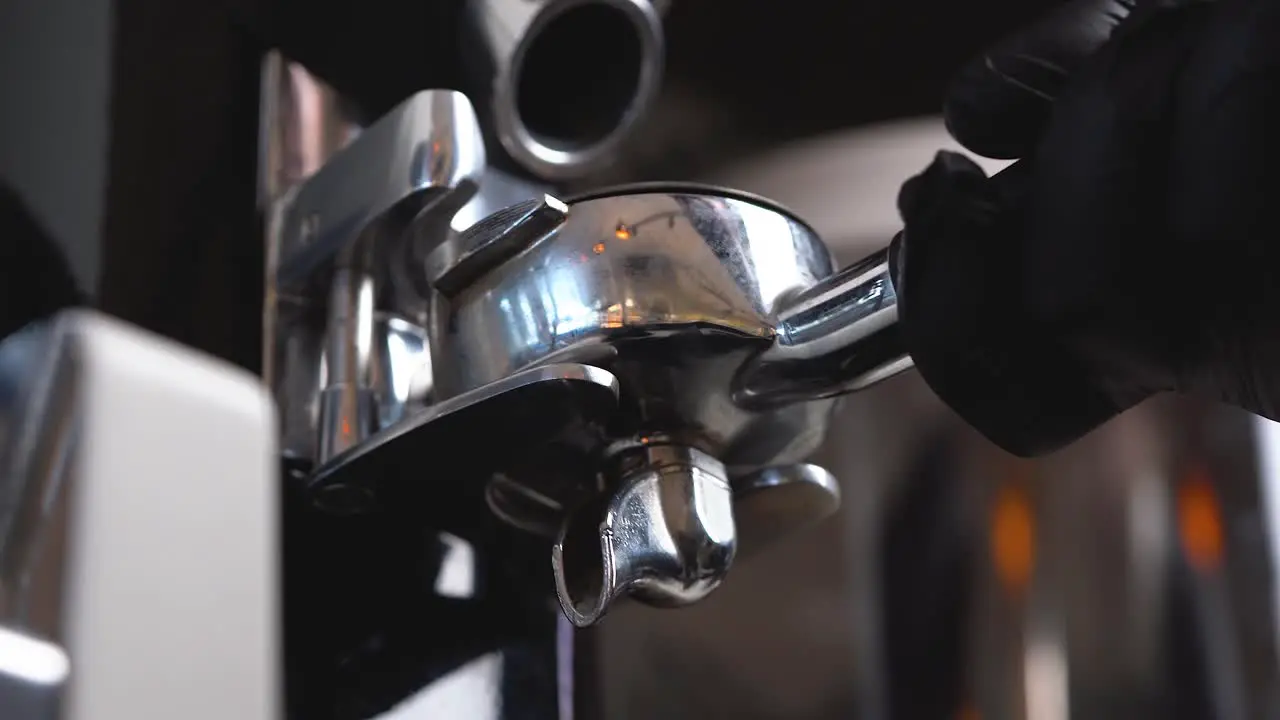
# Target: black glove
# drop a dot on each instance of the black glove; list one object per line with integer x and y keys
{"x": 1131, "y": 248}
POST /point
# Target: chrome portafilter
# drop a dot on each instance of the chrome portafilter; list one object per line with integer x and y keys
{"x": 729, "y": 335}
{"x": 637, "y": 374}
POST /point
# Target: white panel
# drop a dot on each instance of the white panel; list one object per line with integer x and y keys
{"x": 173, "y": 584}
{"x": 1268, "y": 437}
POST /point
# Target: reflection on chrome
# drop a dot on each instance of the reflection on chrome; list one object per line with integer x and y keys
{"x": 31, "y": 660}
{"x": 781, "y": 257}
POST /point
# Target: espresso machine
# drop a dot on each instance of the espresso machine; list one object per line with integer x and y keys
{"x": 498, "y": 398}
{"x": 629, "y": 380}
{"x": 580, "y": 396}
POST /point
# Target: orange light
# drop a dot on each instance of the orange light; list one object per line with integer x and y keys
{"x": 1200, "y": 522}
{"x": 622, "y": 232}
{"x": 1013, "y": 538}
{"x": 597, "y": 248}
{"x": 346, "y": 426}
{"x": 968, "y": 713}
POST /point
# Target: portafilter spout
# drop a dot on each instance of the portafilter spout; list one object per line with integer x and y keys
{"x": 562, "y": 82}
{"x": 665, "y": 534}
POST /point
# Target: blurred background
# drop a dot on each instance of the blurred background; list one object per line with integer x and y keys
{"x": 1130, "y": 576}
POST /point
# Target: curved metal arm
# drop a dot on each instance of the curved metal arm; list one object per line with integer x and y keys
{"x": 838, "y": 336}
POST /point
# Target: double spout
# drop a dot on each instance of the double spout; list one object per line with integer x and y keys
{"x": 664, "y": 533}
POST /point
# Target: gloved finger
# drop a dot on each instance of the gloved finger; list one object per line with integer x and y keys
{"x": 1000, "y": 101}
{"x": 1030, "y": 320}
{"x": 963, "y": 320}
{"x": 1222, "y": 179}
{"x": 1093, "y": 267}
{"x": 1009, "y": 284}
{"x": 958, "y": 250}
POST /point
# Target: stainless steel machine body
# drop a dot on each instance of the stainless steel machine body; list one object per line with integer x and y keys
{"x": 353, "y": 611}
{"x": 689, "y": 322}
{"x": 382, "y": 437}
{"x": 644, "y": 367}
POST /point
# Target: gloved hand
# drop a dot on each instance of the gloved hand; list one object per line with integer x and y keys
{"x": 1132, "y": 248}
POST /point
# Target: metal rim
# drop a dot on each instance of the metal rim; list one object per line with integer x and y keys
{"x": 687, "y": 188}
{"x": 560, "y": 163}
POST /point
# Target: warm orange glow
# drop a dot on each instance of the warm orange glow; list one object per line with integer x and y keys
{"x": 1013, "y": 541}
{"x": 622, "y": 232}
{"x": 597, "y": 248}
{"x": 1200, "y": 522}
{"x": 346, "y": 426}
{"x": 968, "y": 713}
{"x": 613, "y": 316}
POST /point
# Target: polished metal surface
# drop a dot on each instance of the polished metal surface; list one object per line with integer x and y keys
{"x": 675, "y": 290}
{"x": 347, "y": 403}
{"x": 455, "y": 265}
{"x": 681, "y": 292}
{"x": 444, "y": 455}
{"x": 428, "y": 149}
{"x": 369, "y": 242}
{"x": 338, "y": 249}
{"x": 304, "y": 123}
{"x": 668, "y": 293}
{"x": 665, "y": 535}
{"x": 38, "y": 383}
{"x": 498, "y": 190}
{"x": 32, "y": 675}
{"x": 401, "y": 372}
{"x": 643, "y": 262}
{"x": 563, "y": 82}
{"x": 40, "y": 377}
{"x": 836, "y": 337}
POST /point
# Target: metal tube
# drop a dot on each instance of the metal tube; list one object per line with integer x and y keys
{"x": 302, "y": 124}
{"x": 348, "y": 412}
{"x": 562, "y": 82}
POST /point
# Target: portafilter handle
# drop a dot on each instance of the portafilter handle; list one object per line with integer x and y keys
{"x": 836, "y": 337}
